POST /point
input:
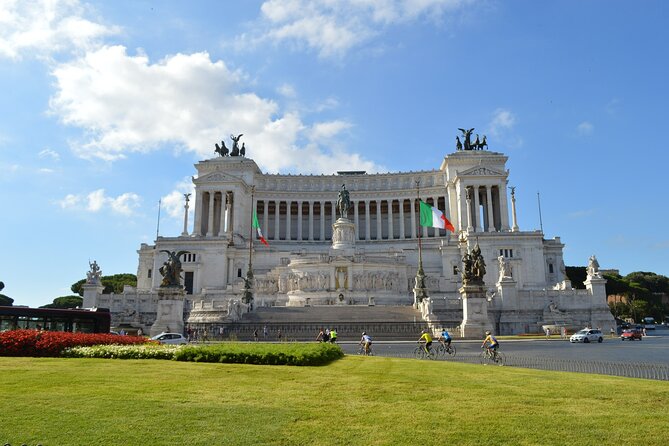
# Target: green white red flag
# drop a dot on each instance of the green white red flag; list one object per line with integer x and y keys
{"x": 433, "y": 217}
{"x": 256, "y": 225}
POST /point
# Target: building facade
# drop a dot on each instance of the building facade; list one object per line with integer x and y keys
{"x": 306, "y": 263}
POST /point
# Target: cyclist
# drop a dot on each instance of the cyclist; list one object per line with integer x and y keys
{"x": 492, "y": 344}
{"x": 366, "y": 341}
{"x": 445, "y": 338}
{"x": 425, "y": 335}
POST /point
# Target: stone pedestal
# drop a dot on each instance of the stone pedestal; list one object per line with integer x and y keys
{"x": 475, "y": 319}
{"x": 600, "y": 313}
{"x": 343, "y": 234}
{"x": 170, "y": 311}
{"x": 91, "y": 293}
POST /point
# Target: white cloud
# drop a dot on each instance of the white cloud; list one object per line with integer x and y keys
{"x": 502, "y": 120}
{"x": 500, "y": 130}
{"x": 43, "y": 27}
{"x": 327, "y": 130}
{"x": 46, "y": 170}
{"x": 286, "y": 90}
{"x": 585, "y": 128}
{"x": 95, "y": 201}
{"x": 48, "y": 153}
{"x": 334, "y": 27}
{"x": 174, "y": 202}
{"x": 128, "y": 104}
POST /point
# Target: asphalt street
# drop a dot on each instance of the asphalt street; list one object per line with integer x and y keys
{"x": 654, "y": 348}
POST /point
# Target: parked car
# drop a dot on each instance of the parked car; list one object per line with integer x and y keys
{"x": 631, "y": 334}
{"x": 587, "y": 335}
{"x": 170, "y": 338}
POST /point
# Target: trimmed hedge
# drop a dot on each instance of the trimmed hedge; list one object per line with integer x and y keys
{"x": 261, "y": 353}
{"x": 52, "y": 343}
{"x": 235, "y": 353}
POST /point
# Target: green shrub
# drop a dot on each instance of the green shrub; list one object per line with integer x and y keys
{"x": 235, "y": 353}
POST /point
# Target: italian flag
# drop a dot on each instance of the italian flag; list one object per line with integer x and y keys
{"x": 256, "y": 225}
{"x": 433, "y": 217}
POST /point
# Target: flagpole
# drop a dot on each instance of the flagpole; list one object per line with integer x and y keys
{"x": 419, "y": 290}
{"x": 420, "y": 245}
{"x": 248, "y": 282}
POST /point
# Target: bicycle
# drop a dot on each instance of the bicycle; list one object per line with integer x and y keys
{"x": 361, "y": 351}
{"x": 490, "y": 356}
{"x": 420, "y": 353}
{"x": 443, "y": 350}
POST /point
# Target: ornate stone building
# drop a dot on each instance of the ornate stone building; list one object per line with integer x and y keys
{"x": 305, "y": 265}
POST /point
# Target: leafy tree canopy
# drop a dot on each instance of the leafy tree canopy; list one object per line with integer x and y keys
{"x": 655, "y": 283}
{"x": 6, "y": 301}
{"x": 577, "y": 275}
{"x": 65, "y": 302}
{"x": 112, "y": 284}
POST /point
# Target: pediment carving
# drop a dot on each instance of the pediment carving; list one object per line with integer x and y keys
{"x": 481, "y": 171}
{"x": 218, "y": 177}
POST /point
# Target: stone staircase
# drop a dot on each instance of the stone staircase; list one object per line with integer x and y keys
{"x": 304, "y": 323}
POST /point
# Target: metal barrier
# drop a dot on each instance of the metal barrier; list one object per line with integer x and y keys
{"x": 627, "y": 369}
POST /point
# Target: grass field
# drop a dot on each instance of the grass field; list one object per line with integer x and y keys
{"x": 353, "y": 401}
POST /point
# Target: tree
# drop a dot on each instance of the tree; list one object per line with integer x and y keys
{"x": 577, "y": 275}
{"x": 65, "y": 302}
{"x": 6, "y": 301}
{"x": 112, "y": 284}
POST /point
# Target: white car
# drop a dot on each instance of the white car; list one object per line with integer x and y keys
{"x": 170, "y": 338}
{"x": 587, "y": 335}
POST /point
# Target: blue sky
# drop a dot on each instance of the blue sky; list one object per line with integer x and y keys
{"x": 106, "y": 106}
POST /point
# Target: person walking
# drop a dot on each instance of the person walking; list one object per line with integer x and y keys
{"x": 278, "y": 335}
{"x": 333, "y": 336}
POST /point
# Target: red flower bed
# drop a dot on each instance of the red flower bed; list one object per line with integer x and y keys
{"x": 51, "y": 343}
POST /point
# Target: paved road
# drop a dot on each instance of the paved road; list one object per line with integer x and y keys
{"x": 653, "y": 349}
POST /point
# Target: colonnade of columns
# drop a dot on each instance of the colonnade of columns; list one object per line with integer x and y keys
{"x": 374, "y": 219}
{"x": 484, "y": 208}
{"x": 213, "y": 213}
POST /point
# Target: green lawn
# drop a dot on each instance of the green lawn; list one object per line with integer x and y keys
{"x": 356, "y": 401}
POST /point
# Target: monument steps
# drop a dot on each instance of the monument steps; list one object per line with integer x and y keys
{"x": 304, "y": 323}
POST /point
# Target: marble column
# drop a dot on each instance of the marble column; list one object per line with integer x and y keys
{"x": 288, "y": 218}
{"x": 265, "y": 217}
{"x": 477, "y": 210}
{"x": 489, "y": 207}
{"x": 311, "y": 220}
{"x": 356, "y": 220}
{"x": 402, "y": 234}
{"x": 413, "y": 218}
{"x": 277, "y": 234}
{"x": 390, "y": 220}
{"x": 367, "y": 223}
{"x": 322, "y": 219}
{"x": 299, "y": 220}
{"x": 379, "y": 229}
{"x": 197, "y": 222}
{"x": 210, "y": 221}
{"x": 503, "y": 208}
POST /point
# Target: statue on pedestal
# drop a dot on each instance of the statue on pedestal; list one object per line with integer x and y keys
{"x": 505, "y": 269}
{"x": 593, "y": 267}
{"x": 473, "y": 267}
{"x": 343, "y": 202}
{"x": 171, "y": 269}
{"x": 93, "y": 276}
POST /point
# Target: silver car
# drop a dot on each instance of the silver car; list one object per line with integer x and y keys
{"x": 170, "y": 338}
{"x": 587, "y": 335}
